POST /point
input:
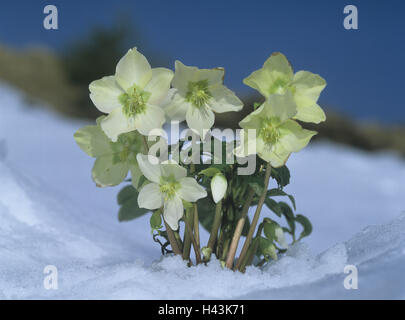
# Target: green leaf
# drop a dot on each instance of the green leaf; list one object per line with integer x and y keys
{"x": 267, "y": 248}
{"x": 278, "y": 192}
{"x": 273, "y": 206}
{"x": 269, "y": 229}
{"x": 306, "y": 224}
{"x": 281, "y": 175}
{"x": 206, "y": 212}
{"x": 210, "y": 172}
{"x": 156, "y": 220}
{"x": 288, "y": 214}
{"x": 128, "y": 200}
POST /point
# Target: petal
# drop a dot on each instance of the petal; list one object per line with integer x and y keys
{"x": 136, "y": 175}
{"x": 173, "y": 170}
{"x": 282, "y": 107}
{"x": 104, "y": 93}
{"x": 133, "y": 69}
{"x": 150, "y": 197}
{"x": 153, "y": 118}
{"x": 159, "y": 85}
{"x": 116, "y": 123}
{"x": 275, "y": 76}
{"x": 308, "y": 87}
{"x": 311, "y": 113}
{"x": 253, "y": 120}
{"x": 200, "y": 120}
{"x": 173, "y": 211}
{"x": 149, "y": 166}
{"x": 224, "y": 100}
{"x": 108, "y": 172}
{"x": 176, "y": 108}
{"x": 190, "y": 190}
{"x": 249, "y": 142}
{"x": 185, "y": 74}
{"x": 93, "y": 141}
{"x": 277, "y": 155}
{"x": 293, "y": 136}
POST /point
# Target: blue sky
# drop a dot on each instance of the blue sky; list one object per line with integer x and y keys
{"x": 364, "y": 68}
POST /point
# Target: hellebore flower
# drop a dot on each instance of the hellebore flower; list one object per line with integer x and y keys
{"x": 275, "y": 135}
{"x": 277, "y": 77}
{"x": 168, "y": 187}
{"x": 219, "y": 184}
{"x": 131, "y": 97}
{"x": 113, "y": 159}
{"x": 197, "y": 94}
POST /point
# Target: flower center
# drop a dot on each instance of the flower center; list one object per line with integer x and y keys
{"x": 134, "y": 101}
{"x": 169, "y": 187}
{"x": 279, "y": 86}
{"x": 198, "y": 93}
{"x": 269, "y": 131}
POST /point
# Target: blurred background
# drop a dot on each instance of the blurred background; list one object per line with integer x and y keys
{"x": 364, "y": 68}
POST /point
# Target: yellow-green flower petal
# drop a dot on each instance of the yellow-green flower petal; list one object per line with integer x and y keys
{"x": 108, "y": 172}
{"x": 200, "y": 120}
{"x": 104, "y": 93}
{"x": 159, "y": 85}
{"x": 312, "y": 113}
{"x": 149, "y": 166}
{"x": 293, "y": 136}
{"x": 132, "y": 69}
{"x": 273, "y": 77}
{"x": 173, "y": 211}
{"x": 177, "y": 106}
{"x": 93, "y": 141}
{"x": 173, "y": 170}
{"x": 277, "y": 155}
{"x": 219, "y": 184}
{"x": 224, "y": 100}
{"x": 190, "y": 190}
{"x": 150, "y": 197}
{"x": 152, "y": 118}
{"x": 116, "y": 123}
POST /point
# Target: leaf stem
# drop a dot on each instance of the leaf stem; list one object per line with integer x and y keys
{"x": 195, "y": 246}
{"x": 238, "y": 230}
{"x": 187, "y": 239}
{"x": 172, "y": 239}
{"x": 255, "y": 218}
{"x": 215, "y": 226}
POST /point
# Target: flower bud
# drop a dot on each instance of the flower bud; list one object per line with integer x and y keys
{"x": 218, "y": 187}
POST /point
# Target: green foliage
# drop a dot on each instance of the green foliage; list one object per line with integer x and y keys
{"x": 281, "y": 175}
{"x": 128, "y": 200}
{"x": 156, "y": 220}
{"x": 306, "y": 224}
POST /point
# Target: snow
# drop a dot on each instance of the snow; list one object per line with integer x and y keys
{"x": 51, "y": 213}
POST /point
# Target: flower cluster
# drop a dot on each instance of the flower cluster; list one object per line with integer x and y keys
{"x": 138, "y": 100}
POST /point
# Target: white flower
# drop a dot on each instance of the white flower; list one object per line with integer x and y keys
{"x": 197, "y": 94}
{"x": 168, "y": 188}
{"x": 219, "y": 184}
{"x": 132, "y": 97}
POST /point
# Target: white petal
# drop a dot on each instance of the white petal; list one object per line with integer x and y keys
{"x": 150, "y": 197}
{"x": 200, "y": 120}
{"x": 224, "y": 100}
{"x": 159, "y": 85}
{"x": 182, "y": 76}
{"x": 174, "y": 170}
{"x": 133, "y": 69}
{"x": 173, "y": 211}
{"x": 190, "y": 190}
{"x": 218, "y": 187}
{"x": 116, "y": 123}
{"x": 149, "y": 166}
{"x": 176, "y": 108}
{"x": 152, "y": 119}
{"x": 281, "y": 238}
{"x": 104, "y": 93}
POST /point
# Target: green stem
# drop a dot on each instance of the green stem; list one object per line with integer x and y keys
{"x": 215, "y": 226}
{"x": 194, "y": 242}
{"x": 145, "y": 144}
{"x": 172, "y": 239}
{"x": 238, "y": 230}
{"x": 196, "y": 225}
{"x": 255, "y": 218}
{"x": 187, "y": 239}
{"x": 252, "y": 250}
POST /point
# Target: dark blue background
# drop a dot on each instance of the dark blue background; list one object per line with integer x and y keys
{"x": 364, "y": 68}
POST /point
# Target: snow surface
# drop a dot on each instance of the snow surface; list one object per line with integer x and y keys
{"x": 52, "y": 214}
